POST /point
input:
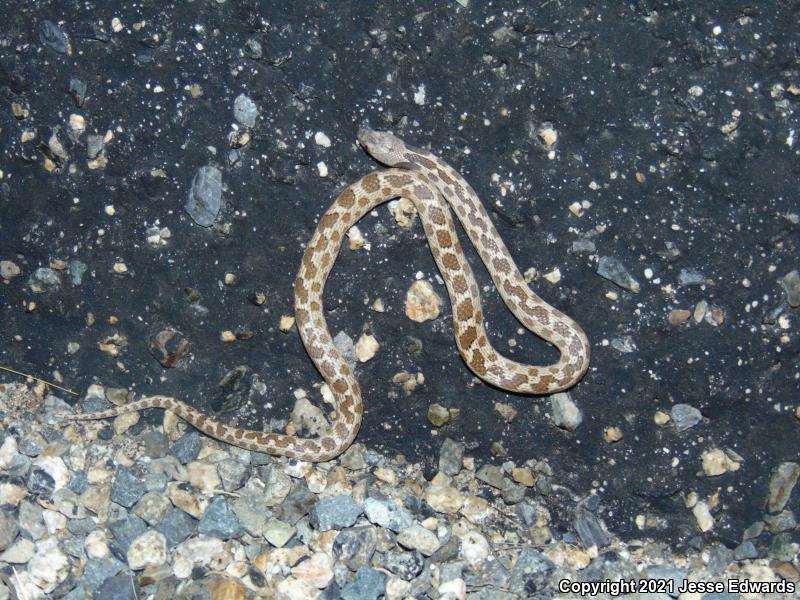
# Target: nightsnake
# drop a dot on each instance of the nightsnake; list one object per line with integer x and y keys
{"x": 431, "y": 184}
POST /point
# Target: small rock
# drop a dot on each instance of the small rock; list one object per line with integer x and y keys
{"x": 369, "y": 584}
{"x": 205, "y": 196}
{"x": 149, "y": 549}
{"x": 127, "y": 488}
{"x": 406, "y": 565}
{"x": 474, "y": 548}
{"x": 685, "y": 416}
{"x": 245, "y": 110}
{"x": 317, "y": 571}
{"x": 277, "y": 532}
{"x": 691, "y": 277}
{"x": 44, "y": 279}
{"x": 422, "y": 302}
{"x": 355, "y": 546}
{"x": 8, "y": 269}
{"x": 781, "y": 485}
{"x": 336, "y": 512}
{"x": 702, "y": 515}
{"x": 52, "y": 36}
{"x": 566, "y": 413}
{"x": 219, "y": 520}
{"x": 444, "y": 498}
{"x": 492, "y": 475}
{"x": 418, "y": 538}
{"x": 49, "y": 566}
{"x": 791, "y": 285}
{"x": 612, "y": 269}
{"x": 438, "y": 415}
{"x": 386, "y": 513}
{"x": 451, "y": 456}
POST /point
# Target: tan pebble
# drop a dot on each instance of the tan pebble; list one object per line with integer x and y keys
{"x": 702, "y": 515}
{"x": 386, "y": 475}
{"x": 700, "y": 310}
{"x": 569, "y": 557}
{"x": 77, "y": 123}
{"x": 548, "y": 135}
{"x": 227, "y": 589}
{"x": 187, "y": 501}
{"x": 438, "y": 415}
{"x": 506, "y": 411}
{"x": 228, "y": 336}
{"x": 422, "y": 302}
{"x": 378, "y": 306}
{"x": 661, "y": 418}
{"x": 203, "y": 476}
{"x": 316, "y": 571}
{"x": 715, "y": 316}
{"x": 444, "y": 499}
{"x": 355, "y": 239}
{"x": 403, "y": 211}
{"x": 716, "y": 462}
{"x": 125, "y": 421}
{"x": 678, "y": 317}
{"x": 286, "y": 323}
{"x": 523, "y": 476}
{"x": 477, "y": 510}
{"x": 230, "y": 279}
{"x": 612, "y": 434}
{"x": 120, "y": 268}
{"x": 366, "y": 347}
{"x": 58, "y": 264}
{"x": 553, "y": 276}
{"x": 640, "y": 177}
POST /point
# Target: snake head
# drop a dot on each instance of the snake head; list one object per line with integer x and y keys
{"x": 383, "y": 146}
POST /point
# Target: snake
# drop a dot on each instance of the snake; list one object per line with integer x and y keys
{"x": 434, "y": 188}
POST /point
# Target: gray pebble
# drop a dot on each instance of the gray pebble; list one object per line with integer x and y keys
{"x": 40, "y": 482}
{"x": 583, "y": 245}
{"x": 245, "y": 110}
{"x": 30, "y": 520}
{"x": 531, "y": 571}
{"x": 387, "y": 514}
{"x": 781, "y": 484}
{"x": 685, "y": 416}
{"x": 369, "y": 584}
{"x": 406, "y": 565}
{"x": 77, "y": 88}
{"x": 612, "y": 269}
{"x": 589, "y": 529}
{"x": 220, "y": 520}
{"x": 691, "y": 277}
{"x": 76, "y": 271}
{"x": 493, "y": 475}
{"x": 187, "y": 448}
{"x": 297, "y": 504}
{"x": 451, "y": 457}
{"x": 123, "y": 532}
{"x": 176, "y": 526}
{"x": 336, "y": 512}
{"x": 127, "y": 488}
{"x": 205, "y": 196}
{"x": 355, "y": 546}
{"x": 791, "y": 285}
{"x": 566, "y": 413}
{"x": 97, "y": 571}
{"x": 119, "y": 587}
{"x": 746, "y": 550}
{"x": 52, "y": 36}
{"x": 668, "y": 573}
{"x": 232, "y": 473}
{"x": 44, "y": 279}
{"x": 8, "y": 529}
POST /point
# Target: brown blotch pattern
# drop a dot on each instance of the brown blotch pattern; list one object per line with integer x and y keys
{"x": 347, "y": 198}
{"x": 371, "y": 183}
{"x": 470, "y": 335}
{"x": 445, "y": 241}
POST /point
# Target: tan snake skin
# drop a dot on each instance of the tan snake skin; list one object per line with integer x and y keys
{"x": 430, "y": 184}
